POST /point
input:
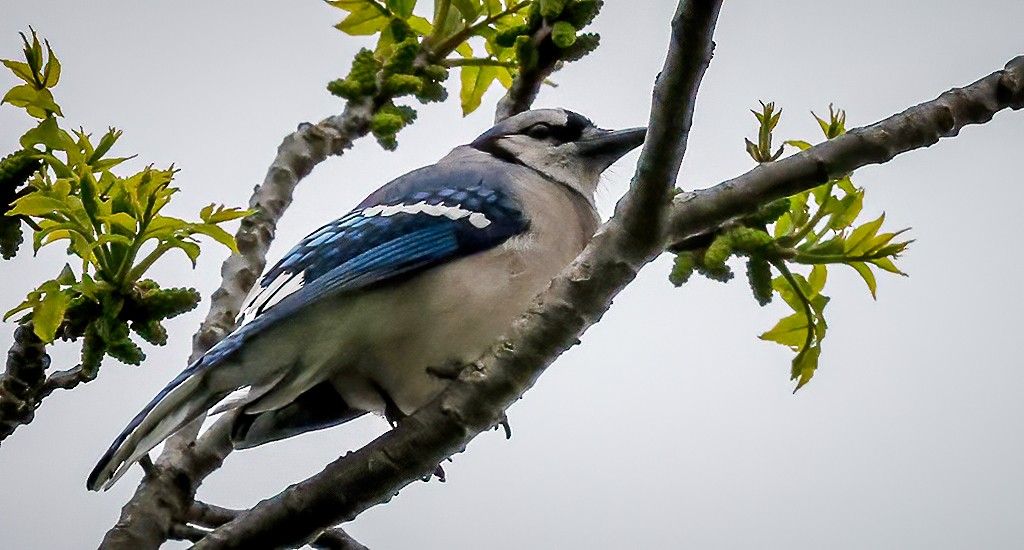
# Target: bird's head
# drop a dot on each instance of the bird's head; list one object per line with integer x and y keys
{"x": 561, "y": 145}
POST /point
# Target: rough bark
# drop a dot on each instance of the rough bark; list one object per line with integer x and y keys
{"x": 23, "y": 380}
{"x": 202, "y": 515}
{"x": 576, "y": 300}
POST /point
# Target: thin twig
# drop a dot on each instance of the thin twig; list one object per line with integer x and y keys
{"x": 477, "y": 62}
{"x": 694, "y": 214}
{"x": 466, "y": 33}
{"x": 210, "y": 515}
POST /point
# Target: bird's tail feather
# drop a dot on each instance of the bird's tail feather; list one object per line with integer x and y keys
{"x": 184, "y": 399}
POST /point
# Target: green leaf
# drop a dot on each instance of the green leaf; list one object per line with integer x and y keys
{"x": 401, "y": 8}
{"x": 823, "y": 194}
{"x": 866, "y": 274}
{"x": 790, "y": 331}
{"x": 111, "y": 238}
{"x": 420, "y": 25}
{"x": 38, "y": 103}
{"x": 35, "y": 204}
{"x": 831, "y": 247}
{"x": 121, "y": 220}
{"x": 20, "y": 96}
{"x": 190, "y": 249}
{"x": 48, "y": 314}
{"x": 824, "y": 125}
{"x": 816, "y": 281}
{"x": 818, "y": 303}
{"x": 802, "y": 145}
{"x": 90, "y": 198}
{"x": 26, "y": 304}
{"x": 217, "y": 234}
{"x": 788, "y": 294}
{"x": 862, "y": 238}
{"x": 846, "y": 211}
{"x": 88, "y": 287}
{"x": 51, "y": 73}
{"x": 106, "y": 142}
{"x": 53, "y": 231}
{"x": 505, "y": 76}
{"x": 162, "y": 227}
{"x": 783, "y": 225}
{"x": 58, "y": 166}
{"x": 49, "y": 134}
{"x": 365, "y": 17}
{"x": 887, "y": 265}
{"x": 493, "y": 7}
{"x": 67, "y": 276}
{"x": 798, "y": 208}
{"x": 220, "y": 214}
{"x": 846, "y": 184}
{"x": 475, "y": 81}
{"x": 804, "y": 365}
{"x": 469, "y": 9}
{"x": 20, "y": 70}
{"x": 33, "y": 52}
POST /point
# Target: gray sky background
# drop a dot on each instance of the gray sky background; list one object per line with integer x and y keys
{"x": 672, "y": 425}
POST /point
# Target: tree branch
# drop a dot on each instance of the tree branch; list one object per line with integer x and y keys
{"x": 695, "y": 214}
{"x": 526, "y": 85}
{"x": 66, "y": 380}
{"x": 575, "y": 301}
{"x": 23, "y": 380}
{"x": 210, "y": 516}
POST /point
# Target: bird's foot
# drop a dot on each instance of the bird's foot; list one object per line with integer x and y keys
{"x": 503, "y": 423}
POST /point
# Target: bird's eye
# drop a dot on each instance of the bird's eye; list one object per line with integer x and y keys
{"x": 539, "y": 131}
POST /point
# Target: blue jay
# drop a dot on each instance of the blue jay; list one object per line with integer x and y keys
{"x": 428, "y": 271}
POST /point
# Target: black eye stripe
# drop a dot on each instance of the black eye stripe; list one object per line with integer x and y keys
{"x": 572, "y": 130}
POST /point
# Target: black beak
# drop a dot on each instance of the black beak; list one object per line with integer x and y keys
{"x": 610, "y": 145}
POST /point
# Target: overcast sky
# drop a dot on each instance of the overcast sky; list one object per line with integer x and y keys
{"x": 672, "y": 425}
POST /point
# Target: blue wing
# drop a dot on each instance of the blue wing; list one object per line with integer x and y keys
{"x": 420, "y": 220}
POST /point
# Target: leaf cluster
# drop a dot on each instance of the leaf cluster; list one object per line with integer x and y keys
{"x": 816, "y": 228}
{"x": 413, "y": 55}
{"x": 63, "y": 186}
{"x": 104, "y": 316}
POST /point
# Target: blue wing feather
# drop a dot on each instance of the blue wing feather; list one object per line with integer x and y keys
{"x": 359, "y": 250}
